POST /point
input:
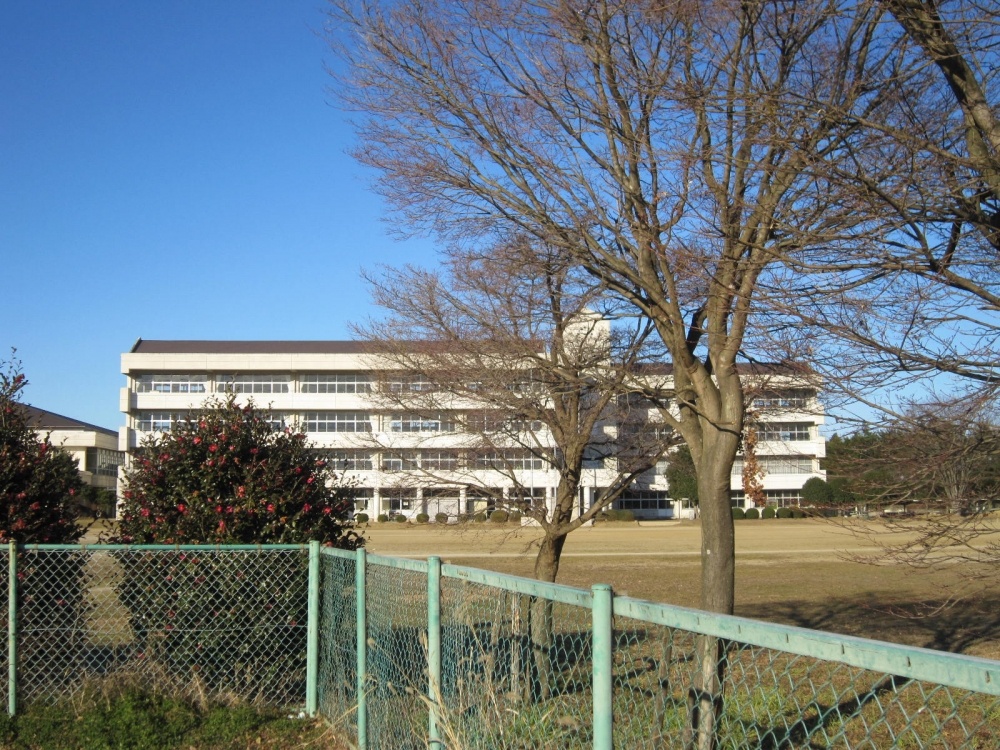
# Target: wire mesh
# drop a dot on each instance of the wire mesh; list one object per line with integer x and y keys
{"x": 517, "y": 657}
{"x": 516, "y": 669}
{"x": 397, "y": 658}
{"x": 223, "y": 624}
{"x": 338, "y": 642}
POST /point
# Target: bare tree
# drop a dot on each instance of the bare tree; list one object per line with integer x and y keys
{"x": 656, "y": 144}
{"x": 944, "y": 462}
{"x": 508, "y": 351}
{"x": 920, "y": 295}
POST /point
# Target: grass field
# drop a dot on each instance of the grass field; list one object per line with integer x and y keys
{"x": 796, "y": 571}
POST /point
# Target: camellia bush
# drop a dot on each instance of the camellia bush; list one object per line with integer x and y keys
{"x": 228, "y": 621}
{"x": 226, "y": 476}
{"x": 39, "y": 486}
{"x": 38, "y": 483}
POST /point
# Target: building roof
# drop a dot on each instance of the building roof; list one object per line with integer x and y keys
{"x": 39, "y": 419}
{"x": 143, "y": 346}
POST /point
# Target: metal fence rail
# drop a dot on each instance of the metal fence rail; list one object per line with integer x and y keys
{"x": 452, "y": 657}
{"x": 415, "y": 654}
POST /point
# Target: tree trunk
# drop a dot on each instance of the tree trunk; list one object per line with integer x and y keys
{"x": 546, "y": 569}
{"x": 718, "y": 575}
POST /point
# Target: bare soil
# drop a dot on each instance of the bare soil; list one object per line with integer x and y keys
{"x": 803, "y": 572}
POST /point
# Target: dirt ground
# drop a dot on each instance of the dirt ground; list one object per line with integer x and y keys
{"x": 798, "y": 571}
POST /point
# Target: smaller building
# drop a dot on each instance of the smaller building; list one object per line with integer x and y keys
{"x": 94, "y": 448}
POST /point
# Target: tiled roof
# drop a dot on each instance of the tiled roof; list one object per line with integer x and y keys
{"x": 39, "y": 419}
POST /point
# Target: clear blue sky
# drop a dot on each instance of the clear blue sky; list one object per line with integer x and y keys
{"x": 173, "y": 170}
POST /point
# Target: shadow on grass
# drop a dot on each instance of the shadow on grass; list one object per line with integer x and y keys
{"x": 968, "y": 626}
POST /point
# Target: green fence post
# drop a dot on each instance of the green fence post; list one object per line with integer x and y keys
{"x": 12, "y": 628}
{"x": 360, "y": 578}
{"x": 433, "y": 650}
{"x": 603, "y": 653}
{"x": 312, "y": 632}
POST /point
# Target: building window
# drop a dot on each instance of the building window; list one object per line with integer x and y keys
{"x": 400, "y": 461}
{"x": 158, "y": 421}
{"x": 514, "y": 460}
{"x": 399, "y": 499}
{"x": 103, "y": 462}
{"x": 341, "y": 382}
{"x": 785, "y": 432}
{"x": 439, "y": 460}
{"x": 783, "y": 498}
{"x": 161, "y": 383}
{"x": 337, "y": 421}
{"x": 260, "y": 383}
{"x": 400, "y": 383}
{"x": 644, "y": 500}
{"x": 793, "y": 399}
{"x": 351, "y": 460}
{"x": 441, "y": 422}
{"x": 778, "y": 465}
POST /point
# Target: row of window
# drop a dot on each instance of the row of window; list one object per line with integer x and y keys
{"x": 779, "y": 465}
{"x": 355, "y": 421}
{"x": 339, "y": 382}
{"x": 444, "y": 460}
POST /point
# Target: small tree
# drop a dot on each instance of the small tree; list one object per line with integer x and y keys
{"x": 681, "y": 478}
{"x": 226, "y": 476}
{"x": 816, "y": 491}
{"x": 38, "y": 483}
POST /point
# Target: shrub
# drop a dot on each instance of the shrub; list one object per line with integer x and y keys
{"x": 383, "y": 518}
{"x": 752, "y": 513}
{"x": 38, "y": 483}
{"x": 784, "y": 513}
{"x": 798, "y": 513}
{"x": 515, "y": 516}
{"x": 626, "y": 515}
{"x": 479, "y": 518}
{"x": 225, "y": 476}
{"x": 768, "y": 511}
{"x": 441, "y": 518}
{"x": 738, "y": 514}
{"x": 499, "y": 516}
{"x": 400, "y": 518}
{"x": 816, "y": 491}
{"x": 423, "y": 518}
{"x": 360, "y": 518}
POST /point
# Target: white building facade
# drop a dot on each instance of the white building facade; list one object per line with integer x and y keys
{"x": 403, "y": 463}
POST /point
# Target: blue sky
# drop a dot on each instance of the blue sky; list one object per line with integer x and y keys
{"x": 173, "y": 170}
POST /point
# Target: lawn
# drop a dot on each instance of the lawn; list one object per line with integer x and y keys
{"x": 798, "y": 571}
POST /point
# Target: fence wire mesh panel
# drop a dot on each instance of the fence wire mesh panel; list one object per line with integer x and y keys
{"x": 338, "y": 641}
{"x": 5, "y": 656}
{"x": 515, "y": 669}
{"x": 675, "y": 687}
{"x": 396, "y": 683}
{"x": 224, "y": 624}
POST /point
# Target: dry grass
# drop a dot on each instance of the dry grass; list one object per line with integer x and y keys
{"x": 798, "y": 572}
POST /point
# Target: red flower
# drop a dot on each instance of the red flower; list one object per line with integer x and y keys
{"x": 197, "y": 441}
{"x": 270, "y": 507}
{"x": 213, "y": 448}
{"x": 310, "y": 480}
{"x": 181, "y": 507}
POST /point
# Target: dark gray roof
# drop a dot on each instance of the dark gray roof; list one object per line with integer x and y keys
{"x": 143, "y": 346}
{"x": 39, "y": 419}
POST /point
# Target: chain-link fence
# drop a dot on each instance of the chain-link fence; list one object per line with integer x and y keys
{"x": 222, "y": 623}
{"x": 414, "y": 654}
{"x": 456, "y": 658}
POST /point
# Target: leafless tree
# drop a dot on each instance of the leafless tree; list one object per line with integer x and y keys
{"x": 654, "y": 143}
{"x": 509, "y": 350}
{"x": 919, "y": 294}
